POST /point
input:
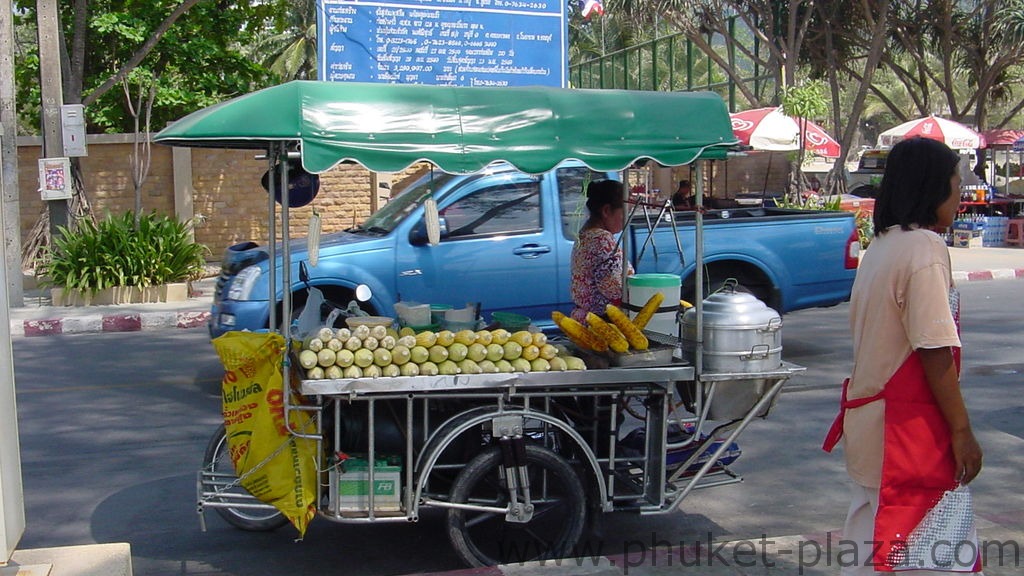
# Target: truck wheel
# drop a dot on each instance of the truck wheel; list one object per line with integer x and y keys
{"x": 487, "y": 539}
{"x": 218, "y": 459}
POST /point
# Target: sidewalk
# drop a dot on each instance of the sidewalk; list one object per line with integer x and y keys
{"x": 39, "y": 318}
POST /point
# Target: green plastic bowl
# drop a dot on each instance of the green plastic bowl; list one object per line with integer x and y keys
{"x": 510, "y": 321}
{"x": 428, "y": 328}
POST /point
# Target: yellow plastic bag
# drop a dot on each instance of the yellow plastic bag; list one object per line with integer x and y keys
{"x": 271, "y": 463}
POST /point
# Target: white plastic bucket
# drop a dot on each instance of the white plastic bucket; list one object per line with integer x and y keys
{"x": 641, "y": 287}
{"x": 413, "y": 313}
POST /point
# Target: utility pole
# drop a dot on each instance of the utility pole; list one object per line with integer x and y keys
{"x": 12, "y": 497}
{"x": 9, "y": 210}
{"x": 51, "y": 86}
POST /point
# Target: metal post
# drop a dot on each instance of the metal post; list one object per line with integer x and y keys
{"x": 698, "y": 364}
{"x": 272, "y": 158}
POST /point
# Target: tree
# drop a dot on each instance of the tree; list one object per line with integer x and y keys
{"x": 801, "y": 102}
{"x": 289, "y": 49}
{"x": 194, "y": 46}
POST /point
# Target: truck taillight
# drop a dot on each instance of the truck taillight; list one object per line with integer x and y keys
{"x": 852, "y": 250}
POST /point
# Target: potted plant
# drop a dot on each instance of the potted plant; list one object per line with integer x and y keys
{"x": 123, "y": 259}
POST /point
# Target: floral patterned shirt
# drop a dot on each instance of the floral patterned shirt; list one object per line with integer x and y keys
{"x": 596, "y": 272}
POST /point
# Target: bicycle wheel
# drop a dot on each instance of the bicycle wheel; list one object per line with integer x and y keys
{"x": 218, "y": 459}
{"x": 487, "y": 539}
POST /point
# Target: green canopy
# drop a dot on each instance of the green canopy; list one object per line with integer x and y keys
{"x": 388, "y": 127}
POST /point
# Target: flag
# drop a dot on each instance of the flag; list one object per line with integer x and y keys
{"x": 587, "y": 7}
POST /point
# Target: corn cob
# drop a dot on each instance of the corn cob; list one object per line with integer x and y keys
{"x": 633, "y": 335}
{"x": 313, "y": 239}
{"x": 578, "y": 333}
{"x": 607, "y": 332}
{"x": 647, "y": 312}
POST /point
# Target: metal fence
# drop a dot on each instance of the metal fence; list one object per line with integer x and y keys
{"x": 674, "y": 63}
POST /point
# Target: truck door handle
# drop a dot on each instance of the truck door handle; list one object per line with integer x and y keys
{"x": 531, "y": 250}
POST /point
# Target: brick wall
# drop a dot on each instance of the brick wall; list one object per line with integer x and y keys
{"x": 229, "y": 204}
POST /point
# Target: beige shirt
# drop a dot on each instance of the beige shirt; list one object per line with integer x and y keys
{"x": 900, "y": 302}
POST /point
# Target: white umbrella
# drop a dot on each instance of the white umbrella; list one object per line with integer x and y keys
{"x": 770, "y": 129}
{"x": 952, "y": 134}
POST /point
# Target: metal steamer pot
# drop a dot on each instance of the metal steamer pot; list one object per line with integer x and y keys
{"x": 741, "y": 333}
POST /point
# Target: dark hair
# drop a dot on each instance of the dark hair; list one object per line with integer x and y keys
{"x": 684, "y": 183}
{"x": 604, "y": 192}
{"x": 915, "y": 183}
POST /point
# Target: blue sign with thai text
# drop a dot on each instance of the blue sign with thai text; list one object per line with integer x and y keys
{"x": 444, "y": 42}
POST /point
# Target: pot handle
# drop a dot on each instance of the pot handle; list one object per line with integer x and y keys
{"x": 774, "y": 325}
{"x": 757, "y": 352}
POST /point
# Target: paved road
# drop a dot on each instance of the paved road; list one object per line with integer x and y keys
{"x": 113, "y": 427}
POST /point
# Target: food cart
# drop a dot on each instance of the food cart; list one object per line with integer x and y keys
{"x": 519, "y": 462}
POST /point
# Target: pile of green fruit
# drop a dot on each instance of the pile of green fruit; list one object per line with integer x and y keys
{"x": 365, "y": 352}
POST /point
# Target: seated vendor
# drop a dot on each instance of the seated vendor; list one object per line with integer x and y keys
{"x": 596, "y": 257}
{"x": 685, "y": 198}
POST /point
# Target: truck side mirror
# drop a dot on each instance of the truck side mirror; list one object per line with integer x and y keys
{"x": 418, "y": 236}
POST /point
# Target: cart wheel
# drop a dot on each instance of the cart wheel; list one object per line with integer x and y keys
{"x": 486, "y": 539}
{"x": 218, "y": 459}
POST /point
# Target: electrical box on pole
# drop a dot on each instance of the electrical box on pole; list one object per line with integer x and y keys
{"x": 72, "y": 127}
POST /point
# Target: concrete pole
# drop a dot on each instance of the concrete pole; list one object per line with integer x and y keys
{"x": 9, "y": 159}
{"x": 51, "y": 86}
{"x": 12, "y": 499}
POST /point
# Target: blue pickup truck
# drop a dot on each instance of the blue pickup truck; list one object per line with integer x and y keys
{"x": 506, "y": 239}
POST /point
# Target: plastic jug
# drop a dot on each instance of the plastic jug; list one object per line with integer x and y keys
{"x": 640, "y": 288}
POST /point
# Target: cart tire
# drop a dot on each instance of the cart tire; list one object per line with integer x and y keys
{"x": 218, "y": 459}
{"x": 486, "y": 539}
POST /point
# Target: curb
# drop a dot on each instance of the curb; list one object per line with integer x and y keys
{"x": 132, "y": 322}
{"x": 996, "y": 274}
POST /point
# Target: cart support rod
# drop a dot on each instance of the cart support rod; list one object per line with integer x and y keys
{"x": 725, "y": 444}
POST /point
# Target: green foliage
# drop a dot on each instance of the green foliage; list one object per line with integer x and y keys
{"x": 810, "y": 202}
{"x": 115, "y": 252}
{"x": 865, "y": 229}
{"x": 197, "y": 63}
{"x": 806, "y": 100}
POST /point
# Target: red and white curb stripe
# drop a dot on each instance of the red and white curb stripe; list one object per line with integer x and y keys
{"x": 997, "y": 274}
{"x": 132, "y": 322}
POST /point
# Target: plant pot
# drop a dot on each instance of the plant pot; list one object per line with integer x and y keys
{"x": 106, "y": 297}
{"x": 174, "y": 292}
{"x": 60, "y": 297}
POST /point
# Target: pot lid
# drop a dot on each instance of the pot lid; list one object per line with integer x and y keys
{"x": 730, "y": 308}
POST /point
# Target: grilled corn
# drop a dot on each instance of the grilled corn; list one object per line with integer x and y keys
{"x": 578, "y": 333}
{"x": 607, "y": 332}
{"x": 647, "y": 312}
{"x": 633, "y": 335}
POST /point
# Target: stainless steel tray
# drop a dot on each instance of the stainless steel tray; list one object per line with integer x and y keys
{"x": 656, "y": 355}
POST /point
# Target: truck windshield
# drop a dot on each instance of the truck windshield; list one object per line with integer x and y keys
{"x": 385, "y": 219}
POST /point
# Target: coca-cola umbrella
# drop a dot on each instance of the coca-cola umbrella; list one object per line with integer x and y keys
{"x": 953, "y": 134}
{"x": 769, "y": 129}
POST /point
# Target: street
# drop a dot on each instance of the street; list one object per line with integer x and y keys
{"x": 113, "y": 428}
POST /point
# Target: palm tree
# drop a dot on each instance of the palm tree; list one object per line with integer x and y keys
{"x": 289, "y": 51}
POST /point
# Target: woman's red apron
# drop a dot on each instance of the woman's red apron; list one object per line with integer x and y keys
{"x": 917, "y": 461}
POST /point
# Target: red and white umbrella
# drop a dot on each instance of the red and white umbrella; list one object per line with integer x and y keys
{"x": 953, "y": 134}
{"x": 770, "y": 129}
